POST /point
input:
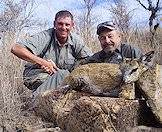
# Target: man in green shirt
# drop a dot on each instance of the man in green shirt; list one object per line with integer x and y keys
{"x": 51, "y": 54}
{"x": 113, "y": 50}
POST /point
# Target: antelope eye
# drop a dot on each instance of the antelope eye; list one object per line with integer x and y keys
{"x": 134, "y": 70}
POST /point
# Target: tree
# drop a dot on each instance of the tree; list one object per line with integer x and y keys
{"x": 17, "y": 15}
{"x": 153, "y": 9}
{"x": 121, "y": 16}
{"x": 86, "y": 22}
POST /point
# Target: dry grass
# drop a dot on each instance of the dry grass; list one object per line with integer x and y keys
{"x": 12, "y": 92}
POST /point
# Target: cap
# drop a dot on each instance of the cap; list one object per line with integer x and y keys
{"x": 108, "y": 24}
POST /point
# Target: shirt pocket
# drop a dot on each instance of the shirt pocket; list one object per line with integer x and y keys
{"x": 69, "y": 64}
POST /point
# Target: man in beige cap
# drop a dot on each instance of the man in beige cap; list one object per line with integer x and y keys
{"x": 113, "y": 50}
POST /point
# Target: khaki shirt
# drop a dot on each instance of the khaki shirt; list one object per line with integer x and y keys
{"x": 65, "y": 57}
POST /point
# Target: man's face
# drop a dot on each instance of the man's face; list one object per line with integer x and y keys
{"x": 63, "y": 26}
{"x": 109, "y": 40}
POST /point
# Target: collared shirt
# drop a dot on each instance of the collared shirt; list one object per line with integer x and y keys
{"x": 124, "y": 50}
{"x": 64, "y": 56}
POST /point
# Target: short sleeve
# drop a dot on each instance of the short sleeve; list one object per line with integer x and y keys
{"x": 35, "y": 43}
{"x": 130, "y": 51}
{"x": 81, "y": 49}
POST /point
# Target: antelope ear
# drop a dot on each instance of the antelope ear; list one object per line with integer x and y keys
{"x": 147, "y": 59}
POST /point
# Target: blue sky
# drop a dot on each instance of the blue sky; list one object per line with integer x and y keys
{"x": 48, "y": 8}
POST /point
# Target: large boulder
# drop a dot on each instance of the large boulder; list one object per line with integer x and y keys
{"x": 79, "y": 112}
{"x": 98, "y": 114}
{"x": 150, "y": 85}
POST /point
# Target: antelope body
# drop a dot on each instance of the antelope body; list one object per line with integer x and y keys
{"x": 106, "y": 78}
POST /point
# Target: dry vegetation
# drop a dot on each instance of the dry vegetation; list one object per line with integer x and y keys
{"x": 13, "y": 94}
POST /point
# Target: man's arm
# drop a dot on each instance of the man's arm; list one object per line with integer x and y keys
{"x": 26, "y": 55}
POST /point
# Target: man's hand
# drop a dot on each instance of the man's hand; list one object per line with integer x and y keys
{"x": 49, "y": 66}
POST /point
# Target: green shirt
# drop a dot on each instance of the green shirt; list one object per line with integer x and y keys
{"x": 65, "y": 57}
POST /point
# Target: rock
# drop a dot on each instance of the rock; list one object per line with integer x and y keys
{"x": 56, "y": 129}
{"x": 151, "y": 89}
{"x": 77, "y": 112}
{"x": 99, "y": 114}
{"x": 47, "y": 104}
{"x": 143, "y": 129}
